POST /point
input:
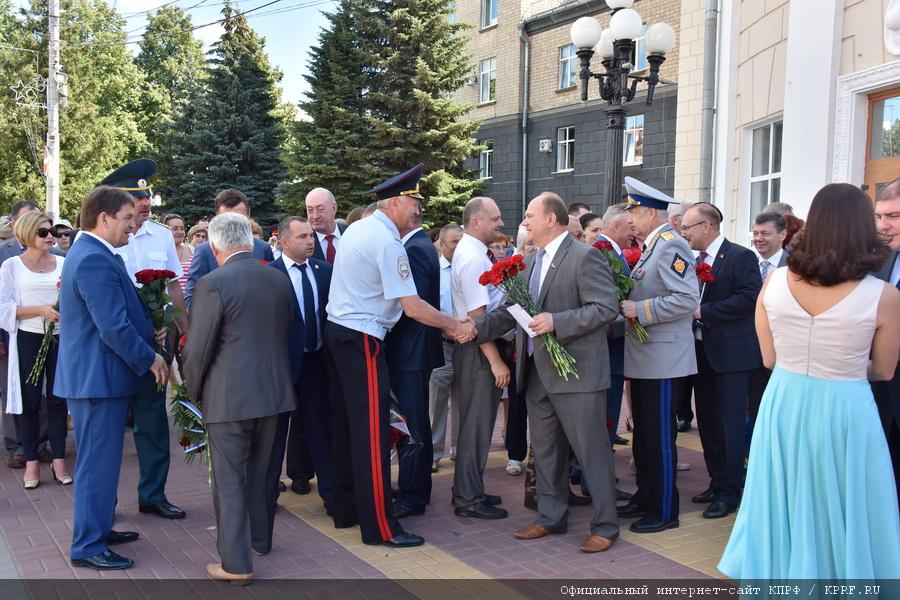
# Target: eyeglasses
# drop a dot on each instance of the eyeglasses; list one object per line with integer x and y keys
{"x": 64, "y": 233}
{"x": 43, "y": 232}
{"x": 686, "y": 227}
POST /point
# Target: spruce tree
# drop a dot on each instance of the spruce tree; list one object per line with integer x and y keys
{"x": 230, "y": 136}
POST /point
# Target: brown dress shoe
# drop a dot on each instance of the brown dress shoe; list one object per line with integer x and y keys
{"x": 216, "y": 571}
{"x": 535, "y": 531}
{"x": 595, "y": 543}
{"x": 15, "y": 462}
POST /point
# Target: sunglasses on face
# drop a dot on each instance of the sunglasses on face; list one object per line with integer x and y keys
{"x": 43, "y": 232}
{"x": 64, "y": 233}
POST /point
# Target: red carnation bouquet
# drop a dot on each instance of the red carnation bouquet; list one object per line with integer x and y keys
{"x": 623, "y": 282}
{"x": 704, "y": 273}
{"x": 632, "y": 256}
{"x": 504, "y": 275}
{"x": 154, "y": 294}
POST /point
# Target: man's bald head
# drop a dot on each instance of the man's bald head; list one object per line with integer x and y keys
{"x": 321, "y": 210}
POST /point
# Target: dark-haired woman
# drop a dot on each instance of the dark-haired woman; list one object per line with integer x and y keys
{"x": 820, "y": 501}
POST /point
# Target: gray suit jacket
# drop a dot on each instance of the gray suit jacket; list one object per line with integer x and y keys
{"x": 578, "y": 291}
{"x": 236, "y": 360}
{"x": 667, "y": 294}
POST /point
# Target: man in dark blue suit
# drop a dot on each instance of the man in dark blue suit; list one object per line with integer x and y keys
{"x": 204, "y": 261}
{"x": 727, "y": 351}
{"x": 310, "y": 425}
{"x": 321, "y": 210}
{"x": 413, "y": 351}
{"x": 106, "y": 347}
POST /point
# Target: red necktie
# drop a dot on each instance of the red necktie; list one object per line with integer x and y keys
{"x": 330, "y": 250}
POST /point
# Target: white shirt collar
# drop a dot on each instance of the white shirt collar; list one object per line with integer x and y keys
{"x": 478, "y": 243}
{"x": 713, "y": 249}
{"x": 406, "y": 237}
{"x": 445, "y": 264}
{"x": 653, "y": 235}
{"x": 101, "y": 240}
{"x": 288, "y": 262}
{"x": 144, "y": 228}
{"x": 336, "y": 233}
{"x": 613, "y": 242}
{"x": 774, "y": 259}
{"x": 551, "y": 248}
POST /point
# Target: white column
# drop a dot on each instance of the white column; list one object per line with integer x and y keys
{"x": 811, "y": 70}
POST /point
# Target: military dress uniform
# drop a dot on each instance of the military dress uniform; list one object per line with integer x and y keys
{"x": 666, "y": 292}
{"x": 371, "y": 274}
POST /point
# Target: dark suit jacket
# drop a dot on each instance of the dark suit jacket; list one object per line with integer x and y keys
{"x": 105, "y": 330}
{"x": 317, "y": 250}
{"x": 234, "y": 331}
{"x": 322, "y": 274}
{"x": 204, "y": 261}
{"x": 578, "y": 291}
{"x": 411, "y": 346}
{"x": 727, "y": 309}
{"x": 887, "y": 393}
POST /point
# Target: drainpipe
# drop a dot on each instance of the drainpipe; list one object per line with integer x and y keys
{"x": 708, "y": 102}
{"x": 526, "y": 76}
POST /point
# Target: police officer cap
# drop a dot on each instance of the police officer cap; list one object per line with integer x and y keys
{"x": 132, "y": 177}
{"x": 641, "y": 194}
{"x": 404, "y": 184}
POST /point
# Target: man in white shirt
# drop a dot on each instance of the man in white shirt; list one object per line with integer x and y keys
{"x": 442, "y": 377}
{"x": 480, "y": 373}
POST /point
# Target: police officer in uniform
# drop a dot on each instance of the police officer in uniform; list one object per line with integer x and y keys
{"x": 663, "y": 300}
{"x": 151, "y": 246}
{"x": 371, "y": 286}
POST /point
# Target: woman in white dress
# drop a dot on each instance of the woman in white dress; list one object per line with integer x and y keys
{"x": 820, "y": 501}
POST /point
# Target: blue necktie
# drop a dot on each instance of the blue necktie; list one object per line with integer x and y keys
{"x": 310, "y": 322}
{"x": 534, "y": 287}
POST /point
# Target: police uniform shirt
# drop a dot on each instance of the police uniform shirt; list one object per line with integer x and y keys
{"x": 371, "y": 274}
{"x": 470, "y": 260}
{"x": 151, "y": 247}
{"x": 296, "y": 275}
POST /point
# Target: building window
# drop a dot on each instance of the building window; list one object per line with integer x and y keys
{"x": 565, "y": 148}
{"x": 452, "y": 7}
{"x": 489, "y": 12}
{"x": 568, "y": 67}
{"x": 486, "y": 160}
{"x": 883, "y": 155}
{"x": 487, "y": 80}
{"x": 765, "y": 167}
{"x": 639, "y": 59}
{"x": 634, "y": 140}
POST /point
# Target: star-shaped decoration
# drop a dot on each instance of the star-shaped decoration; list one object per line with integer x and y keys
{"x": 27, "y": 93}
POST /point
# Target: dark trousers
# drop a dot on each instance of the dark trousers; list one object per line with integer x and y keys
{"x": 28, "y": 345}
{"x": 100, "y": 435}
{"x": 653, "y": 446}
{"x": 414, "y": 480}
{"x": 683, "y": 411}
{"x": 759, "y": 379}
{"x": 276, "y": 462}
{"x": 517, "y": 418}
{"x": 151, "y": 440}
{"x": 360, "y": 432}
{"x": 309, "y": 440}
{"x": 614, "y": 403}
{"x": 240, "y": 452}
{"x": 721, "y": 400}
{"x": 887, "y": 398}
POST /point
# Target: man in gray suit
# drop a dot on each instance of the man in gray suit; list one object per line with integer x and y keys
{"x": 574, "y": 291}
{"x": 234, "y": 329}
{"x": 663, "y": 300}
{"x": 887, "y": 393}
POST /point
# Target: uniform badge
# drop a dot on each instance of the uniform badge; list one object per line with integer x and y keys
{"x": 403, "y": 267}
{"x": 667, "y": 235}
{"x": 638, "y": 275}
{"x": 679, "y": 265}
{"x": 142, "y": 183}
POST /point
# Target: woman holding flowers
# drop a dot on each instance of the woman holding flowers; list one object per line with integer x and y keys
{"x": 28, "y": 297}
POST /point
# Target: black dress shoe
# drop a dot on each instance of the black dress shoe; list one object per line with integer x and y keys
{"x": 105, "y": 561}
{"x": 482, "y": 510}
{"x": 717, "y": 510}
{"x": 489, "y": 499}
{"x": 164, "y": 509}
{"x": 281, "y": 487}
{"x": 683, "y": 425}
{"x": 121, "y": 537}
{"x": 576, "y": 500}
{"x": 345, "y": 524}
{"x": 651, "y": 525}
{"x": 401, "y": 512}
{"x": 301, "y": 486}
{"x": 404, "y": 540}
{"x": 622, "y": 496}
{"x": 705, "y": 498}
{"x": 618, "y": 439}
{"x": 531, "y": 501}
{"x": 631, "y": 510}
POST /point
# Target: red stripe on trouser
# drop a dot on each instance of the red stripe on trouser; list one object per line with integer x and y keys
{"x": 375, "y": 441}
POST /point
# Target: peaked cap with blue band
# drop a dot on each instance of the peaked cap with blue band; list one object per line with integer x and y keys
{"x": 641, "y": 194}
{"x": 132, "y": 177}
{"x": 404, "y": 184}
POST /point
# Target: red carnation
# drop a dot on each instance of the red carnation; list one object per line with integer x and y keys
{"x": 632, "y": 256}
{"x": 485, "y": 278}
{"x": 704, "y": 273}
{"x": 603, "y": 245}
{"x": 144, "y": 277}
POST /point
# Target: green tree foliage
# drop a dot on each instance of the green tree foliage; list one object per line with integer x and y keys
{"x": 230, "y": 134}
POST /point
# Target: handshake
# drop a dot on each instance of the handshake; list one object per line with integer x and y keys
{"x": 462, "y": 331}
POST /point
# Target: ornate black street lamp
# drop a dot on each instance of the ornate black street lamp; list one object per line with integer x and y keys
{"x": 617, "y": 85}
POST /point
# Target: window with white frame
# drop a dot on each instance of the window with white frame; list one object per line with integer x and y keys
{"x": 487, "y": 80}
{"x": 486, "y": 160}
{"x": 565, "y": 148}
{"x": 568, "y": 67}
{"x": 765, "y": 167}
{"x": 452, "y": 7}
{"x": 633, "y": 140}
{"x": 489, "y": 11}
{"x": 639, "y": 60}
